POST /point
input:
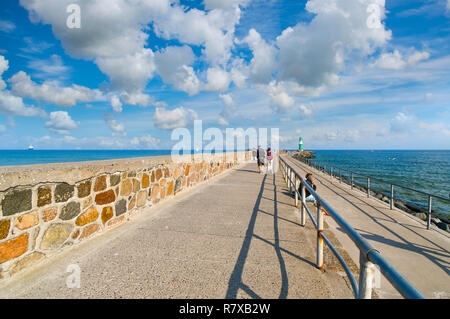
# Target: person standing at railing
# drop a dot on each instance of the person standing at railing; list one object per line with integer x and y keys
{"x": 308, "y": 196}
{"x": 260, "y": 155}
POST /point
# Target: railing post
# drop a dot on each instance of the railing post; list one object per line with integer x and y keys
{"x": 352, "y": 180}
{"x": 290, "y": 180}
{"x": 366, "y": 277}
{"x": 302, "y": 210}
{"x": 368, "y": 187}
{"x": 392, "y": 197}
{"x": 295, "y": 190}
{"x": 429, "y": 212}
{"x": 340, "y": 176}
{"x": 319, "y": 238}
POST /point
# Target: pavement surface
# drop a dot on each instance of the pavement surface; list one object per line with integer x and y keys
{"x": 421, "y": 255}
{"x": 235, "y": 236}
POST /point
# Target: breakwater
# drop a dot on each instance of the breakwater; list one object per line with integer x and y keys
{"x": 45, "y": 209}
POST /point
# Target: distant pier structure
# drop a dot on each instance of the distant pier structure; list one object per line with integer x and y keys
{"x": 300, "y": 143}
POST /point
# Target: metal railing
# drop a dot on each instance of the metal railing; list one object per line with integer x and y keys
{"x": 329, "y": 169}
{"x": 369, "y": 256}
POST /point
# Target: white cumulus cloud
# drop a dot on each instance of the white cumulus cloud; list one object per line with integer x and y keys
{"x": 118, "y": 129}
{"x": 146, "y": 141}
{"x": 61, "y": 123}
{"x": 396, "y": 61}
{"x": 171, "y": 119}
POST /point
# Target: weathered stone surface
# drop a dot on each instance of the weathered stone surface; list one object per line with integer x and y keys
{"x": 121, "y": 207}
{"x": 186, "y": 170}
{"x": 63, "y": 192}
{"x": 158, "y": 174}
{"x": 4, "y": 228}
{"x": 153, "y": 177}
{"x": 70, "y": 211}
{"x": 166, "y": 172}
{"x": 178, "y": 185}
{"x": 87, "y": 217}
{"x": 162, "y": 182}
{"x": 49, "y": 214}
{"x": 44, "y": 196}
{"x": 76, "y": 234}
{"x": 132, "y": 202}
{"x": 13, "y": 248}
{"x": 16, "y": 201}
{"x": 132, "y": 174}
{"x": 55, "y": 236}
{"x": 141, "y": 198}
{"x": 100, "y": 183}
{"x": 170, "y": 188}
{"x": 136, "y": 185}
{"x": 162, "y": 193}
{"x": 105, "y": 197}
{"x": 89, "y": 230}
{"x": 107, "y": 214}
{"x": 116, "y": 221}
{"x": 27, "y": 221}
{"x": 84, "y": 189}
{"x": 155, "y": 191}
{"x": 177, "y": 173}
{"x": 126, "y": 188}
{"x": 26, "y": 262}
{"x": 87, "y": 202}
{"x": 114, "y": 179}
{"x": 145, "y": 181}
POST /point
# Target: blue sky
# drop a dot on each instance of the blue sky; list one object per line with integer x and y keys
{"x": 136, "y": 70}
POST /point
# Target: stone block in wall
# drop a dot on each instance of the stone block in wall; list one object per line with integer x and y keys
{"x": 107, "y": 214}
{"x": 155, "y": 191}
{"x": 116, "y": 221}
{"x": 16, "y": 201}
{"x": 4, "y": 228}
{"x": 26, "y": 262}
{"x": 153, "y": 177}
{"x": 136, "y": 185}
{"x": 49, "y": 214}
{"x": 145, "y": 181}
{"x": 63, "y": 192}
{"x": 166, "y": 172}
{"x": 178, "y": 185}
{"x": 44, "y": 196}
{"x": 105, "y": 197}
{"x": 100, "y": 183}
{"x": 141, "y": 198}
{"x": 114, "y": 179}
{"x": 56, "y": 235}
{"x": 87, "y": 217}
{"x": 27, "y": 221}
{"x": 84, "y": 189}
{"x": 170, "y": 188}
{"x": 126, "y": 188}
{"x": 70, "y": 211}
{"x": 13, "y": 248}
{"x": 158, "y": 174}
{"x": 121, "y": 207}
{"x": 89, "y": 230}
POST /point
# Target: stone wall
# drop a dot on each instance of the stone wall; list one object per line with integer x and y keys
{"x": 47, "y": 208}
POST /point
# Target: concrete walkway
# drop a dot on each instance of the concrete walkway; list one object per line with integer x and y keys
{"x": 236, "y": 236}
{"x": 422, "y": 256}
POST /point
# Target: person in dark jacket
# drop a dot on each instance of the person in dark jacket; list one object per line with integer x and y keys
{"x": 261, "y": 155}
{"x": 308, "y": 196}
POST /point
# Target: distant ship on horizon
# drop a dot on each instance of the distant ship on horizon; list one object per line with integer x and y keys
{"x": 31, "y": 148}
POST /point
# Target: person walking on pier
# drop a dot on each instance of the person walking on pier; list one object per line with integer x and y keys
{"x": 260, "y": 155}
{"x": 269, "y": 161}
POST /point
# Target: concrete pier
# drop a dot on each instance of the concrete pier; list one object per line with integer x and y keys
{"x": 236, "y": 236}
{"x": 239, "y": 236}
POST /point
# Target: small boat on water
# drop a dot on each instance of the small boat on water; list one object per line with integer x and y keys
{"x": 31, "y": 148}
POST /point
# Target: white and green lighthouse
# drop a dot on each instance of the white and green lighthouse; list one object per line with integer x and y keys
{"x": 300, "y": 143}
